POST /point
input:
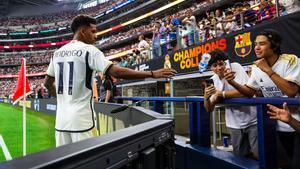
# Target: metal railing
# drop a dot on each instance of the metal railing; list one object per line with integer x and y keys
{"x": 199, "y": 126}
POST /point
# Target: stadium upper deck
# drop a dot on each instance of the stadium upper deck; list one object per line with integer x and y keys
{"x": 209, "y": 25}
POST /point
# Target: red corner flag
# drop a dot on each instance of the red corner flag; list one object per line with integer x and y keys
{"x": 23, "y": 87}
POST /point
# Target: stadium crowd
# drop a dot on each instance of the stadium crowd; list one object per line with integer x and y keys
{"x": 182, "y": 30}
{"x": 184, "y": 26}
{"x": 15, "y": 58}
{"x": 166, "y": 31}
{"x": 8, "y": 85}
{"x": 53, "y": 20}
{"x": 30, "y": 70}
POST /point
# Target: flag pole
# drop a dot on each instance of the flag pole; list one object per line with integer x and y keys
{"x": 24, "y": 110}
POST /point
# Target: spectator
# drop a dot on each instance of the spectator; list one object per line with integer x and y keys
{"x": 175, "y": 20}
{"x": 240, "y": 121}
{"x": 144, "y": 48}
{"x": 163, "y": 31}
{"x": 41, "y": 91}
{"x": 238, "y": 11}
{"x": 156, "y": 49}
{"x": 290, "y": 6}
{"x": 190, "y": 23}
{"x": 230, "y": 25}
{"x": 219, "y": 15}
{"x": 249, "y": 15}
{"x": 123, "y": 63}
{"x": 284, "y": 115}
{"x": 217, "y": 23}
{"x": 276, "y": 75}
{"x": 106, "y": 89}
{"x": 266, "y": 12}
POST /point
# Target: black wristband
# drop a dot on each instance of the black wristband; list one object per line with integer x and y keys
{"x": 152, "y": 75}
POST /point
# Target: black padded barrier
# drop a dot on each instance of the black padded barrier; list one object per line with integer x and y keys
{"x": 143, "y": 138}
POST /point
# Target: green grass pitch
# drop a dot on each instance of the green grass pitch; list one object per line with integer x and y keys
{"x": 40, "y": 130}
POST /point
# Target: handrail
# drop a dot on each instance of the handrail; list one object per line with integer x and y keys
{"x": 200, "y": 121}
{"x": 246, "y": 101}
{"x": 177, "y": 99}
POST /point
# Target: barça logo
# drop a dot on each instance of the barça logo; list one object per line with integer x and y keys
{"x": 243, "y": 44}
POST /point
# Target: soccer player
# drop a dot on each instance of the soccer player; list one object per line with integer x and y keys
{"x": 276, "y": 75}
{"x": 72, "y": 68}
{"x": 240, "y": 121}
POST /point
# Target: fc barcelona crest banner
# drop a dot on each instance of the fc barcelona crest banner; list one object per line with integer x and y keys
{"x": 239, "y": 45}
{"x": 243, "y": 44}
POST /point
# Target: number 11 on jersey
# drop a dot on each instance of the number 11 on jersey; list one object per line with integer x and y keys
{"x": 61, "y": 76}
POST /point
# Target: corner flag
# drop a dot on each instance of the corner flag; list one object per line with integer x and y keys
{"x": 22, "y": 88}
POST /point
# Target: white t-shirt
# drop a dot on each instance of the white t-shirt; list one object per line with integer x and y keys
{"x": 191, "y": 24}
{"x": 73, "y": 67}
{"x": 236, "y": 117}
{"x": 290, "y": 5}
{"x": 231, "y": 27}
{"x": 143, "y": 45}
{"x": 287, "y": 66}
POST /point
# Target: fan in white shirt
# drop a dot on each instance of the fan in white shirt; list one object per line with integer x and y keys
{"x": 241, "y": 121}
{"x": 276, "y": 75}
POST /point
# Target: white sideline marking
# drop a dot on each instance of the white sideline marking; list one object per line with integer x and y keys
{"x": 4, "y": 148}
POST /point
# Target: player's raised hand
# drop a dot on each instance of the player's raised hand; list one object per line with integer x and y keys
{"x": 161, "y": 73}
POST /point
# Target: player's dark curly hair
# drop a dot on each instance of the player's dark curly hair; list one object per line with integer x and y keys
{"x": 81, "y": 20}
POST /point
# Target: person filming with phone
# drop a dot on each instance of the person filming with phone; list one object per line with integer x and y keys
{"x": 240, "y": 121}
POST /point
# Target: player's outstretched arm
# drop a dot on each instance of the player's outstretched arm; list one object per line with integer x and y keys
{"x": 126, "y": 73}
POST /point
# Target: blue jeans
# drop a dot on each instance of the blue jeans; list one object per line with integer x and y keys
{"x": 156, "y": 51}
{"x": 191, "y": 38}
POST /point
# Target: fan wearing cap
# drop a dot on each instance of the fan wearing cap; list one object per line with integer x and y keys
{"x": 240, "y": 121}
{"x": 276, "y": 75}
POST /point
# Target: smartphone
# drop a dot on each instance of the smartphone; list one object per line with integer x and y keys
{"x": 227, "y": 64}
{"x": 209, "y": 82}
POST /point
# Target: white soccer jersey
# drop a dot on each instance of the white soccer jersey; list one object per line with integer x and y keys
{"x": 73, "y": 67}
{"x": 191, "y": 23}
{"x": 236, "y": 117}
{"x": 287, "y": 67}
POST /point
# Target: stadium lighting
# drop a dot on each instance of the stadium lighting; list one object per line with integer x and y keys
{"x": 62, "y": 28}
{"x": 140, "y": 17}
{"x": 33, "y": 33}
